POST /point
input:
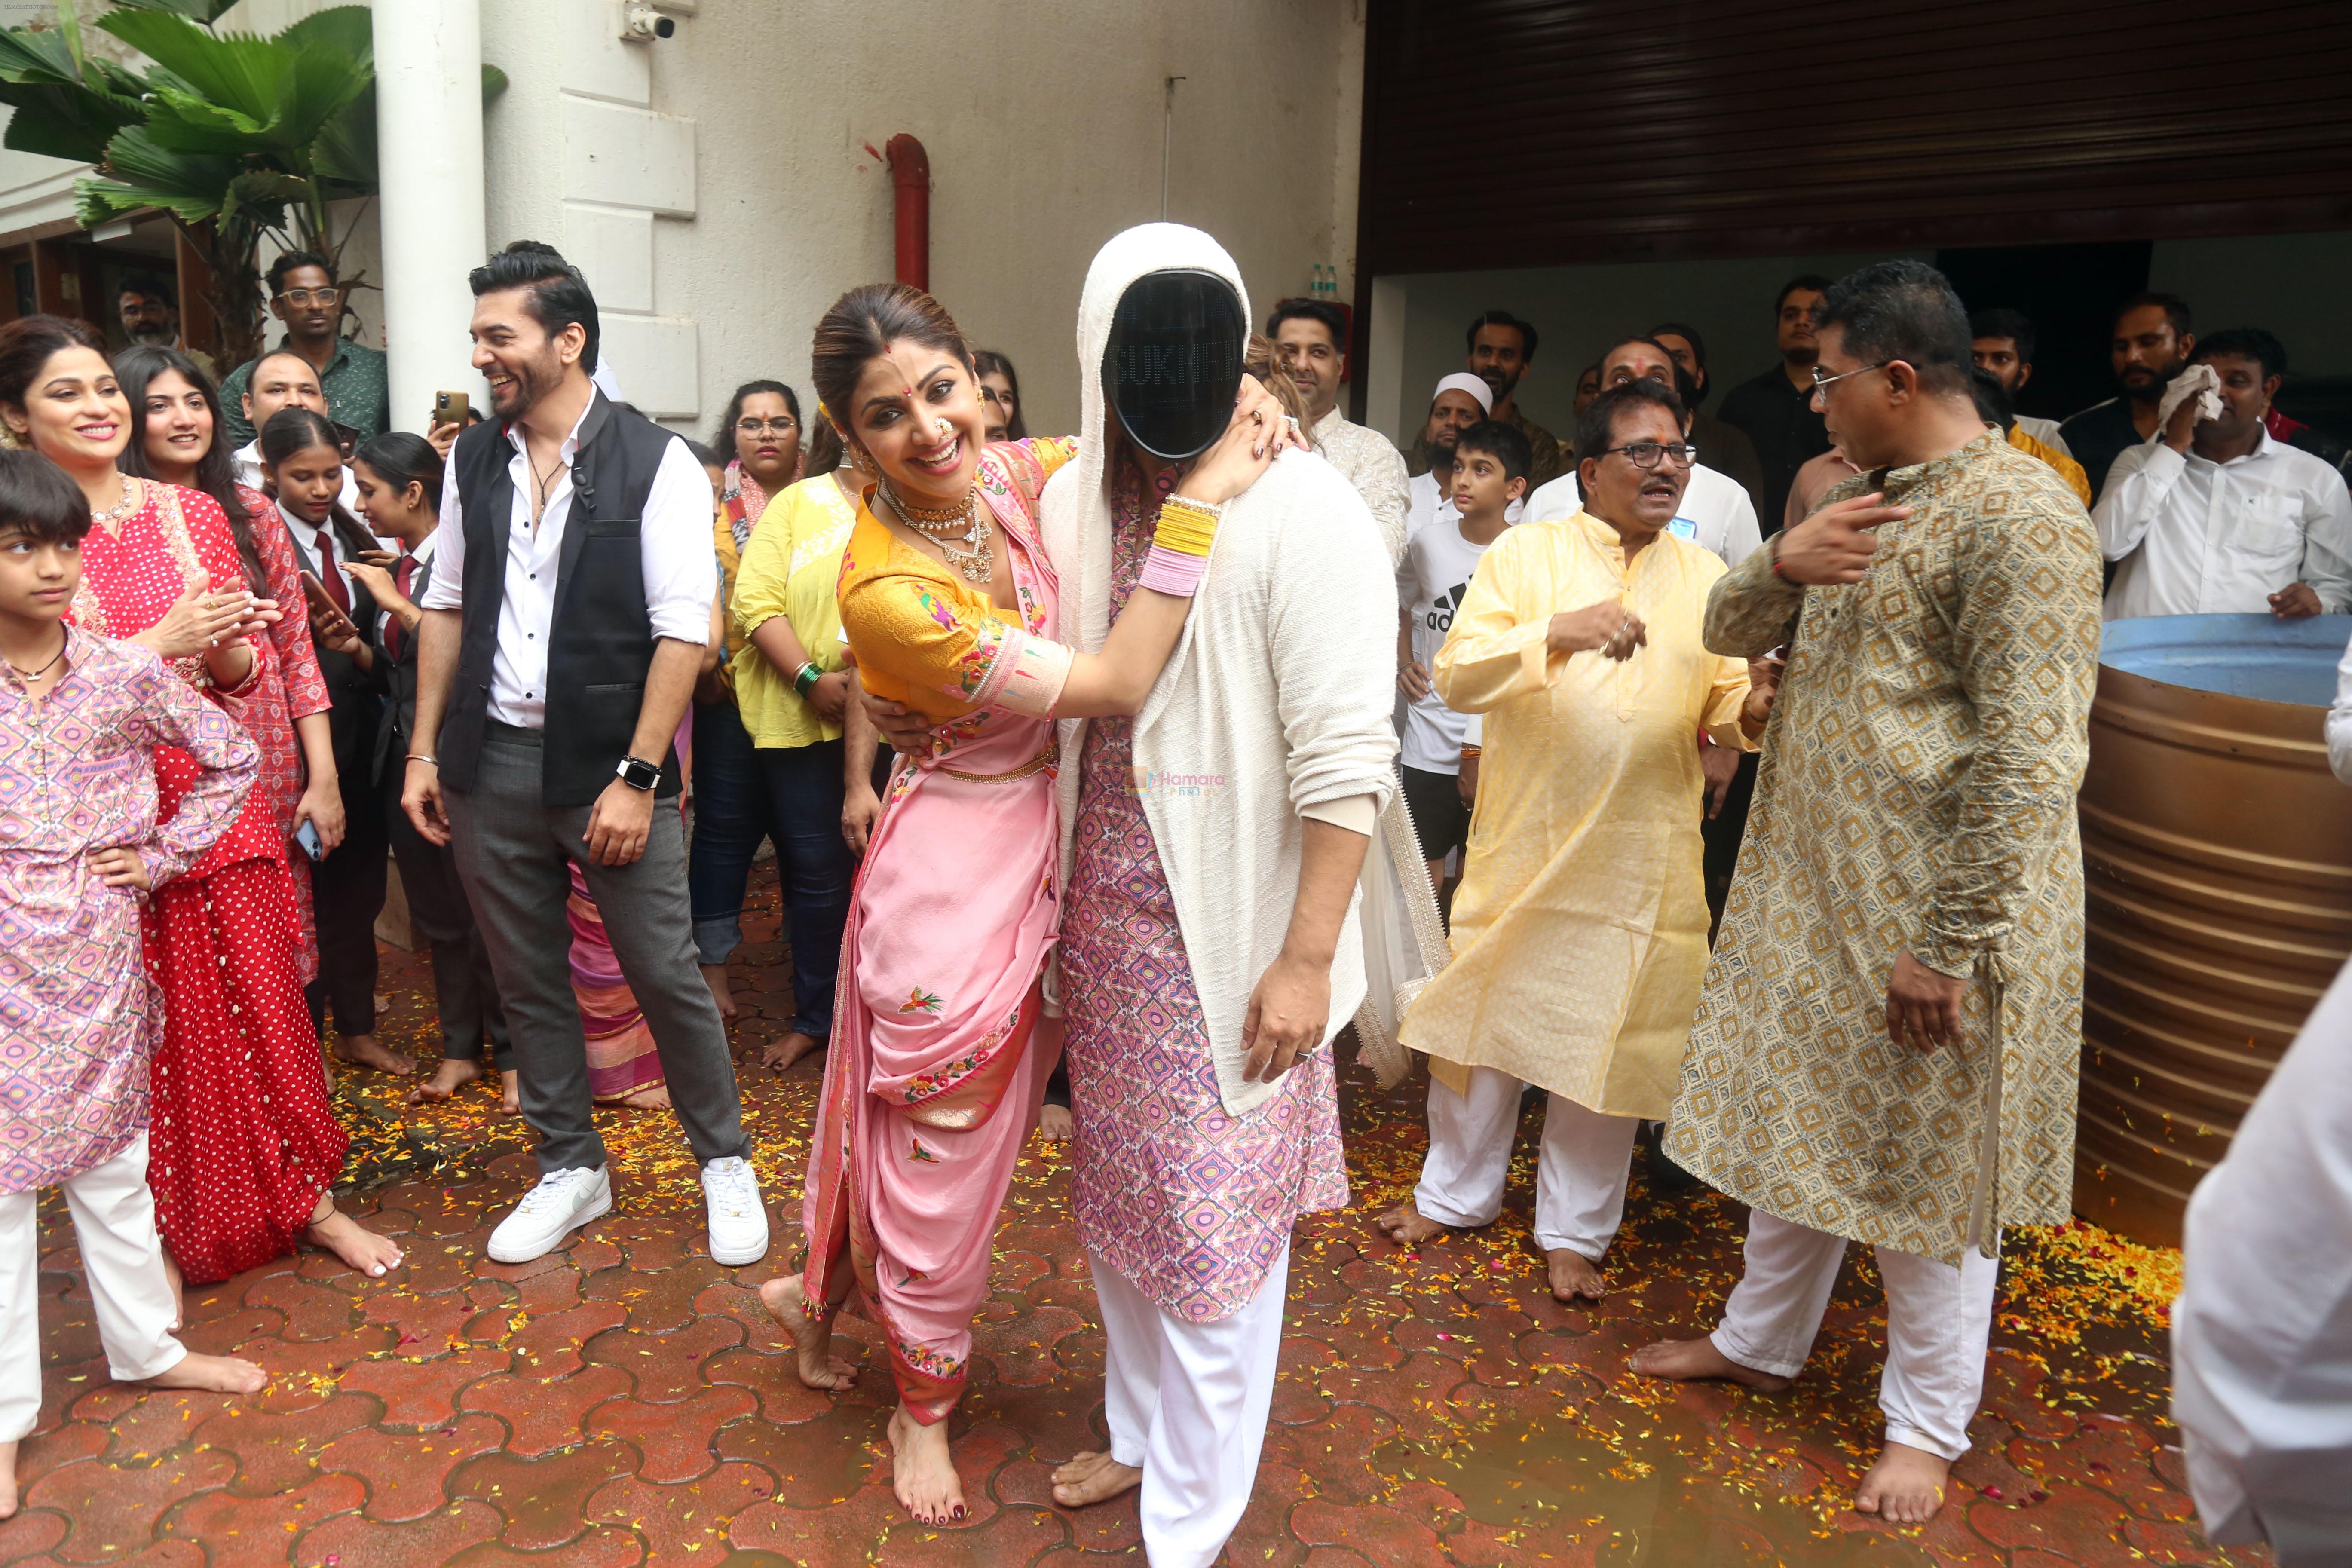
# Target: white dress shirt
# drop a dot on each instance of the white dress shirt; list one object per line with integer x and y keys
{"x": 244, "y": 467}
{"x": 1717, "y": 513}
{"x": 681, "y": 572}
{"x": 1426, "y": 504}
{"x": 2199, "y": 538}
{"x": 419, "y": 581}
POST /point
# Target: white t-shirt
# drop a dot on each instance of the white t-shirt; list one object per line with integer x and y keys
{"x": 1430, "y": 580}
{"x": 1716, "y": 512}
{"x": 1426, "y": 504}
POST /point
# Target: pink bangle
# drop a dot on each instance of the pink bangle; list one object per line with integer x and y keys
{"x": 1172, "y": 572}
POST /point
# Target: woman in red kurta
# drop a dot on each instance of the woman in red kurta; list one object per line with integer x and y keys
{"x": 244, "y": 1145}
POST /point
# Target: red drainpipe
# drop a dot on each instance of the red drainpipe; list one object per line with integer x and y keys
{"x": 910, "y": 175}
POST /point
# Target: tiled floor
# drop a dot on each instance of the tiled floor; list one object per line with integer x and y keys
{"x": 621, "y": 1401}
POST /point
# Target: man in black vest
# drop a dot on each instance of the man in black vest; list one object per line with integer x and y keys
{"x": 563, "y": 630}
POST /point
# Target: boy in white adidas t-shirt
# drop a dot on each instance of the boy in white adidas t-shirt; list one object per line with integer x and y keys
{"x": 1491, "y": 462}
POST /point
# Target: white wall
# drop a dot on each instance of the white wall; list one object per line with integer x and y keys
{"x": 1043, "y": 120}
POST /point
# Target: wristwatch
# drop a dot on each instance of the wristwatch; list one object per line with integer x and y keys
{"x": 637, "y": 773}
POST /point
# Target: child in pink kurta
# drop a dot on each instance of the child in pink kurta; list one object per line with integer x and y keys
{"x": 79, "y": 1020}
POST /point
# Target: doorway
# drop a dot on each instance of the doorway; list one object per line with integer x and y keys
{"x": 2070, "y": 292}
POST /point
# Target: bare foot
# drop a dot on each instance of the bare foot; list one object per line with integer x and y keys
{"x": 921, "y": 1471}
{"x": 785, "y": 1049}
{"x": 362, "y": 1051}
{"x": 1574, "y": 1277}
{"x": 819, "y": 1367}
{"x": 7, "y": 1480}
{"x": 1905, "y": 1487}
{"x": 372, "y": 1254}
{"x": 179, "y": 1289}
{"x": 1093, "y": 1479}
{"x": 653, "y": 1097}
{"x": 1408, "y": 1227}
{"x": 454, "y": 1074}
{"x": 215, "y": 1373}
{"x": 1054, "y": 1124}
{"x": 1691, "y": 1361}
{"x": 509, "y": 1097}
{"x": 715, "y": 976}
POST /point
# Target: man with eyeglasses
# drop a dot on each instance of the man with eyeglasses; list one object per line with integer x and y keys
{"x": 1776, "y": 409}
{"x": 1887, "y": 1046}
{"x": 1580, "y": 927}
{"x": 304, "y": 295}
{"x": 1717, "y": 513}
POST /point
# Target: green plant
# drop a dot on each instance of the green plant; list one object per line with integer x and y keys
{"x": 232, "y": 135}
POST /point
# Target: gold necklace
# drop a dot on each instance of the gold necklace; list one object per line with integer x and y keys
{"x": 915, "y": 516}
{"x": 972, "y": 555}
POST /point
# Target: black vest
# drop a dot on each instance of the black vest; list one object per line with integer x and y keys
{"x": 602, "y": 641}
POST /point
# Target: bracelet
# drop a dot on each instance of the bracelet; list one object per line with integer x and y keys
{"x": 1179, "y": 557}
{"x": 1777, "y": 570}
{"x": 421, "y": 757}
{"x": 805, "y": 677}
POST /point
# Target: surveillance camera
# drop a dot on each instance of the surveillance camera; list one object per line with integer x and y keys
{"x": 641, "y": 24}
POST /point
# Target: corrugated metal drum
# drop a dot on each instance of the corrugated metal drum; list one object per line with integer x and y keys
{"x": 2217, "y": 852}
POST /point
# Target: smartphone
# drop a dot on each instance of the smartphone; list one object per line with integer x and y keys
{"x": 307, "y": 836}
{"x": 450, "y": 407}
{"x": 316, "y": 592}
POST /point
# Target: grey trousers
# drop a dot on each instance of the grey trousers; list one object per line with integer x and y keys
{"x": 515, "y": 856}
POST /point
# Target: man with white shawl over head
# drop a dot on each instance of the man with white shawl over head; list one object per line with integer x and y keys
{"x": 1212, "y": 846}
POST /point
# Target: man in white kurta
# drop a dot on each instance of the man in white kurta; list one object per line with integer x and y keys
{"x": 2262, "y": 1336}
{"x": 1580, "y": 930}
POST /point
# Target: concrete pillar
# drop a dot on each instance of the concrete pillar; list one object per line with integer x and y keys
{"x": 428, "y": 114}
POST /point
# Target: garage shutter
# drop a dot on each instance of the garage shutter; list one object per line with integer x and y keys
{"x": 1553, "y": 132}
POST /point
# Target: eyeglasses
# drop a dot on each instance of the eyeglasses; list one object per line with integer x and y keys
{"x": 780, "y": 426}
{"x": 1649, "y": 453}
{"x": 1822, "y": 384}
{"x": 302, "y": 299}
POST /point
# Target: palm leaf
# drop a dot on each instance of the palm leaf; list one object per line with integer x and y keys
{"x": 204, "y": 11}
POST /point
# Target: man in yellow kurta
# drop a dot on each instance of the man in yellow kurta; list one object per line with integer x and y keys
{"x": 1886, "y": 1047}
{"x": 1580, "y": 929}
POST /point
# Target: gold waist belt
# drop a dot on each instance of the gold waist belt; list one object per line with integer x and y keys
{"x": 1036, "y": 765}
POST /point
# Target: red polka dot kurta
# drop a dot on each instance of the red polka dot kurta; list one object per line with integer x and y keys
{"x": 244, "y": 1140}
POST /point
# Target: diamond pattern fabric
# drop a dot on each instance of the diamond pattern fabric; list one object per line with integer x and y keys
{"x": 1916, "y": 790}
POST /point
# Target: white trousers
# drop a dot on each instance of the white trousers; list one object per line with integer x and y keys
{"x": 1187, "y": 1403}
{"x": 1938, "y": 1319}
{"x": 1580, "y": 1173}
{"x": 114, "y": 1227}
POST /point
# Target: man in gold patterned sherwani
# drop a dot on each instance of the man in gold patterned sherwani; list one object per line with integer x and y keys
{"x": 1887, "y": 1046}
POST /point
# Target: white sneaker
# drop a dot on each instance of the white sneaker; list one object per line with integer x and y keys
{"x": 738, "y": 1220}
{"x": 562, "y": 1202}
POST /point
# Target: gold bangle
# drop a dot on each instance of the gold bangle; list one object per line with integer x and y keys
{"x": 1186, "y": 526}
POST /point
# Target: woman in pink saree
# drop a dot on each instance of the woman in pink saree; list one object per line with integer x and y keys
{"x": 940, "y": 1050}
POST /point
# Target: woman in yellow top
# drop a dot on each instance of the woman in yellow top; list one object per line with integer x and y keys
{"x": 758, "y": 447}
{"x": 938, "y": 1060}
{"x": 791, "y": 685}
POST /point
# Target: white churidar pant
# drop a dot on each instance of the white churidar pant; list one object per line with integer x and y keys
{"x": 1581, "y": 1173}
{"x": 1938, "y": 1320}
{"x": 114, "y": 1227}
{"x": 1187, "y": 1403}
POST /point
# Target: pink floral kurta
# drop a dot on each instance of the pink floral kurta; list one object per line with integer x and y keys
{"x": 1191, "y": 1204}
{"x": 79, "y": 1023}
